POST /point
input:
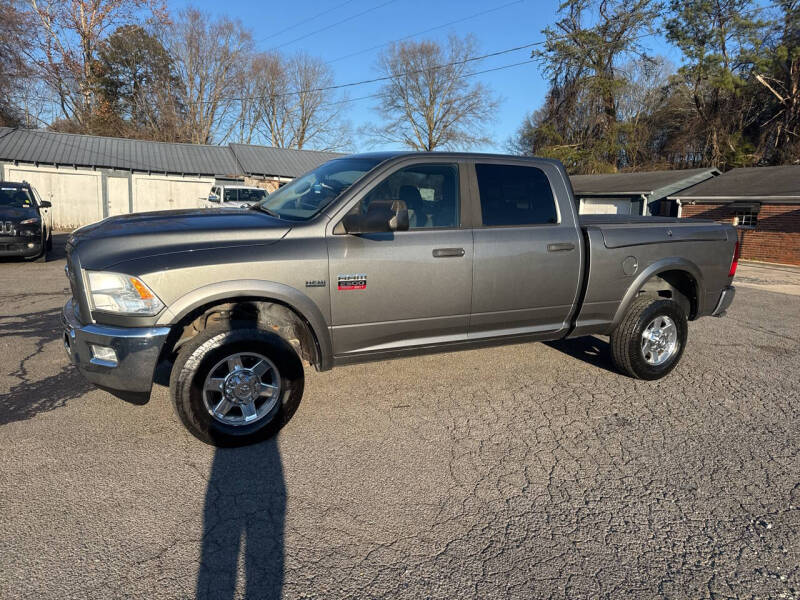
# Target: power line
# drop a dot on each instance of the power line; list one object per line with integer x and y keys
{"x": 381, "y": 94}
{"x": 463, "y": 76}
{"x": 332, "y": 25}
{"x": 436, "y": 67}
{"x": 388, "y": 77}
{"x": 307, "y": 20}
{"x": 473, "y": 16}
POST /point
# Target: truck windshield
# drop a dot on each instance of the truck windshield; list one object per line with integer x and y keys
{"x": 306, "y": 196}
{"x": 15, "y": 197}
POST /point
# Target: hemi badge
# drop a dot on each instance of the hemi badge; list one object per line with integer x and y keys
{"x": 352, "y": 282}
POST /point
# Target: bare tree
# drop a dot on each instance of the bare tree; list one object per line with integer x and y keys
{"x": 429, "y": 102}
{"x": 67, "y": 36}
{"x": 261, "y": 107}
{"x": 209, "y": 56}
{"x": 314, "y": 112}
{"x": 14, "y": 71}
{"x": 644, "y": 93}
{"x": 286, "y": 104}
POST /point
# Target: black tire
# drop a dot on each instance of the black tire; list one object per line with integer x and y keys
{"x": 626, "y": 340}
{"x": 198, "y": 357}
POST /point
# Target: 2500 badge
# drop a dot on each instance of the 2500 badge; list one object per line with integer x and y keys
{"x": 352, "y": 282}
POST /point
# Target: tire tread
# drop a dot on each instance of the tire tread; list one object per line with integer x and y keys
{"x": 189, "y": 360}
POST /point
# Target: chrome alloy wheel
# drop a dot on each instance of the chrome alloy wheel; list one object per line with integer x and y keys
{"x": 242, "y": 388}
{"x": 659, "y": 341}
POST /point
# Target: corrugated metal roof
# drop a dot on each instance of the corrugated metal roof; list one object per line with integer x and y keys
{"x": 751, "y": 182}
{"x": 53, "y": 148}
{"x": 281, "y": 162}
{"x": 643, "y": 182}
{"x": 236, "y": 160}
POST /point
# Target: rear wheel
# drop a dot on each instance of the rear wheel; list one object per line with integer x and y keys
{"x": 236, "y": 385}
{"x": 649, "y": 341}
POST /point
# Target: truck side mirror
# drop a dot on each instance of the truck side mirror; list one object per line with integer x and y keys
{"x": 45, "y": 204}
{"x": 382, "y": 216}
{"x": 213, "y": 198}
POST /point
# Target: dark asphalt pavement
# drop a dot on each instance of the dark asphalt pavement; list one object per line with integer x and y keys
{"x": 528, "y": 471}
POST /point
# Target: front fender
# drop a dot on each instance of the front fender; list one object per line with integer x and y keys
{"x": 264, "y": 290}
{"x": 660, "y": 266}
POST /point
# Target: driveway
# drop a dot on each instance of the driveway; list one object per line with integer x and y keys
{"x": 525, "y": 471}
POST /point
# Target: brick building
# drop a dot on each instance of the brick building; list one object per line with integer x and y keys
{"x": 763, "y": 202}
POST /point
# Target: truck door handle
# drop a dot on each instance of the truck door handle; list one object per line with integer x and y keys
{"x": 565, "y": 247}
{"x": 447, "y": 252}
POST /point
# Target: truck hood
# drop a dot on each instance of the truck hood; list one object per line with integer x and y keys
{"x": 141, "y": 235}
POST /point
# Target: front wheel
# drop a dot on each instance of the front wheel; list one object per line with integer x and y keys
{"x": 650, "y": 340}
{"x": 236, "y": 385}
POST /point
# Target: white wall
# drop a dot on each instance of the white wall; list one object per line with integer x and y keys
{"x": 76, "y": 194}
{"x": 608, "y": 206}
{"x": 166, "y": 192}
{"x": 83, "y": 196}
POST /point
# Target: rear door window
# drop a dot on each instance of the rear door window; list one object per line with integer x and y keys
{"x": 515, "y": 195}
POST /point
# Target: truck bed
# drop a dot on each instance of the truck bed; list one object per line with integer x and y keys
{"x": 623, "y": 250}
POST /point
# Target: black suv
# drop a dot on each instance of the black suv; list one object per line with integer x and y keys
{"x": 25, "y": 222}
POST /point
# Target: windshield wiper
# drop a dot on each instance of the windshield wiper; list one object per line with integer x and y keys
{"x": 271, "y": 213}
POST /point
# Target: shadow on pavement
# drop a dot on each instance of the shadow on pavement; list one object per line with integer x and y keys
{"x": 244, "y": 515}
{"x": 59, "y": 247}
{"x": 33, "y": 394}
{"x": 589, "y": 349}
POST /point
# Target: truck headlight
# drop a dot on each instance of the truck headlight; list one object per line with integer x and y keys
{"x": 115, "y": 292}
{"x": 34, "y": 221}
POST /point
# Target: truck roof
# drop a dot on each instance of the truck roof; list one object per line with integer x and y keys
{"x": 389, "y": 154}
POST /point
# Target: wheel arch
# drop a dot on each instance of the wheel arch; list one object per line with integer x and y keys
{"x": 290, "y": 305}
{"x": 678, "y": 276}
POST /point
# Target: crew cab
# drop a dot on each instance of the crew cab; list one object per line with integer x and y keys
{"x": 25, "y": 222}
{"x": 374, "y": 256}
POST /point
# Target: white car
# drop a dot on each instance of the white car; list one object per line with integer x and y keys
{"x": 235, "y": 196}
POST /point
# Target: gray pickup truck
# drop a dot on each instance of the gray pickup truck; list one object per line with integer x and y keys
{"x": 374, "y": 256}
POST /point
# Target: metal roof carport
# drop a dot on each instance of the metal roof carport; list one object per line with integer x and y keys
{"x": 639, "y": 193}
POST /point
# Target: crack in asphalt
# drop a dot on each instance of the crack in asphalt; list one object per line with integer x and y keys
{"x": 529, "y": 471}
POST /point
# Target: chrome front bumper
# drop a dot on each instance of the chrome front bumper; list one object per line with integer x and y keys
{"x": 137, "y": 350}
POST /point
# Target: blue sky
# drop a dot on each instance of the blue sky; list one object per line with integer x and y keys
{"x": 275, "y": 25}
